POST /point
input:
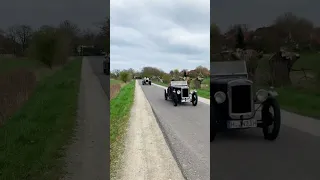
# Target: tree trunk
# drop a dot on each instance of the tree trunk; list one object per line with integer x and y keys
{"x": 280, "y": 72}
{"x": 197, "y": 84}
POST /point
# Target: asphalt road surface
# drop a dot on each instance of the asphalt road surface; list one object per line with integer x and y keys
{"x": 96, "y": 64}
{"x": 246, "y": 155}
{"x": 187, "y": 131}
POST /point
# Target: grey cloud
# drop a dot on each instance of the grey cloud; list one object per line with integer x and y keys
{"x": 258, "y": 13}
{"x": 38, "y": 12}
{"x": 123, "y": 42}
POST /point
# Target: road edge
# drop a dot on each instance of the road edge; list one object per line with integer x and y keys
{"x": 166, "y": 138}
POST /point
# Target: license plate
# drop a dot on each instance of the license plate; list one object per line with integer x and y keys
{"x": 242, "y": 124}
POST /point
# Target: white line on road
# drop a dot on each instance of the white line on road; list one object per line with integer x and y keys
{"x": 201, "y": 99}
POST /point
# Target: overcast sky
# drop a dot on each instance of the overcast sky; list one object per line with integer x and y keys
{"x": 257, "y": 13}
{"x": 160, "y": 33}
{"x": 51, "y": 12}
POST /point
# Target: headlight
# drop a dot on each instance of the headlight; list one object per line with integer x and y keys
{"x": 220, "y": 97}
{"x": 178, "y": 92}
{"x": 262, "y": 95}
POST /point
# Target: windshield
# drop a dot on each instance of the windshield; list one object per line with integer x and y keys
{"x": 179, "y": 83}
{"x": 228, "y": 68}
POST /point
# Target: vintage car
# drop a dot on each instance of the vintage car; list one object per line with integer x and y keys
{"x": 234, "y": 104}
{"x": 146, "y": 80}
{"x": 179, "y": 92}
{"x": 106, "y": 65}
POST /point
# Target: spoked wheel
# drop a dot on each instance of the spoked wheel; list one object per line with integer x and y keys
{"x": 194, "y": 99}
{"x": 271, "y": 117}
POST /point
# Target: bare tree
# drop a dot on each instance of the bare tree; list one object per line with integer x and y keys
{"x": 20, "y": 34}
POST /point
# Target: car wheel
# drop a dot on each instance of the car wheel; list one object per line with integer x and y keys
{"x": 194, "y": 99}
{"x": 271, "y": 118}
{"x": 175, "y": 99}
{"x": 165, "y": 95}
{"x": 150, "y": 83}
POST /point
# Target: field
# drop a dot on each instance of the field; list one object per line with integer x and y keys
{"x": 120, "y": 107}
{"x": 303, "y": 97}
{"x": 203, "y": 92}
{"x": 32, "y": 140}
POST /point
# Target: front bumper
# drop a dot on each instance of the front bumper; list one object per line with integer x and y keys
{"x": 223, "y": 124}
{"x": 186, "y": 99}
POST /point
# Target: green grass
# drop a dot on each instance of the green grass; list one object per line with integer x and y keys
{"x": 308, "y": 61}
{"x": 32, "y": 141}
{"x": 303, "y": 100}
{"x": 205, "y": 93}
{"x": 300, "y": 101}
{"x": 115, "y": 81}
{"x": 120, "y": 107}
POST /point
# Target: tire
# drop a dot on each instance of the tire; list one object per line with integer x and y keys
{"x": 194, "y": 99}
{"x": 165, "y": 95}
{"x": 150, "y": 83}
{"x": 269, "y": 119}
{"x": 175, "y": 99}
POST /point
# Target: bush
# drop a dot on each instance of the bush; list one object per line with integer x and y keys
{"x": 166, "y": 78}
{"x": 50, "y": 46}
{"x": 124, "y": 76}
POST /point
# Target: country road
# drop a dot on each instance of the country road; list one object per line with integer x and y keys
{"x": 186, "y": 129}
{"x": 246, "y": 155}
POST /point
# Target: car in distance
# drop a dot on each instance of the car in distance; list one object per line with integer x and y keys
{"x": 106, "y": 65}
{"x": 179, "y": 92}
{"x": 146, "y": 80}
{"x": 235, "y": 105}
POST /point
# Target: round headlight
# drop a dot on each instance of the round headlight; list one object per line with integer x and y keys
{"x": 178, "y": 92}
{"x": 262, "y": 95}
{"x": 220, "y": 97}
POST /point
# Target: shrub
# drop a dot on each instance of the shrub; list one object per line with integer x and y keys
{"x": 124, "y": 76}
{"x": 166, "y": 78}
{"x": 50, "y": 46}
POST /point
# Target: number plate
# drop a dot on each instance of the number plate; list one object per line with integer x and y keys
{"x": 242, "y": 124}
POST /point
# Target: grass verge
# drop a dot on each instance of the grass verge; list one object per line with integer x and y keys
{"x": 205, "y": 93}
{"x": 32, "y": 141}
{"x": 120, "y": 107}
{"x": 115, "y": 81}
{"x": 300, "y": 101}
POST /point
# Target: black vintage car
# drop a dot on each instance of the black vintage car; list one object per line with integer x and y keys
{"x": 106, "y": 65}
{"x": 146, "y": 80}
{"x": 234, "y": 104}
{"x": 179, "y": 92}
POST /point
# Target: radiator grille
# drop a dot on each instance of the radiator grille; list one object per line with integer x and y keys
{"x": 185, "y": 93}
{"x": 241, "y": 99}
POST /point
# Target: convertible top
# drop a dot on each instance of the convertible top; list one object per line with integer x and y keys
{"x": 178, "y": 83}
{"x": 227, "y": 68}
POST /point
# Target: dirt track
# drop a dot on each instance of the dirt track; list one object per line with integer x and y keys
{"x": 147, "y": 156}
